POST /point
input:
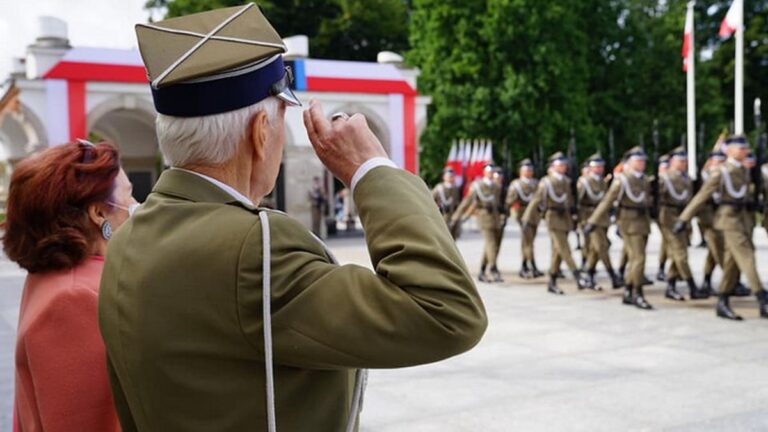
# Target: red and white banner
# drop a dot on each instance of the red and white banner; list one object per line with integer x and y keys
{"x": 733, "y": 20}
{"x": 687, "y": 39}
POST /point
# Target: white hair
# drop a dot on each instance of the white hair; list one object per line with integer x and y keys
{"x": 211, "y": 139}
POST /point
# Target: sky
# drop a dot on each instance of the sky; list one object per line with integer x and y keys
{"x": 101, "y": 23}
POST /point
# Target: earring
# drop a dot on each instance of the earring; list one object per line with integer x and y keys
{"x": 106, "y": 230}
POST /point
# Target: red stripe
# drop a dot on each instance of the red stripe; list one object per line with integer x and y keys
{"x": 76, "y": 108}
{"x": 409, "y": 130}
{"x": 359, "y": 86}
{"x": 97, "y": 72}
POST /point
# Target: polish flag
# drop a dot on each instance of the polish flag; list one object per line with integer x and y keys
{"x": 733, "y": 19}
{"x": 687, "y": 38}
{"x": 488, "y": 154}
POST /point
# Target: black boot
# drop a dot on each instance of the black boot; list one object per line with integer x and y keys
{"x": 762, "y": 300}
{"x": 482, "y": 277}
{"x": 640, "y": 300}
{"x": 696, "y": 292}
{"x": 671, "y": 292}
{"x": 525, "y": 272}
{"x": 741, "y": 290}
{"x": 660, "y": 276}
{"x": 647, "y": 281}
{"x": 582, "y": 280}
{"x": 622, "y": 271}
{"x": 616, "y": 280}
{"x": 559, "y": 274}
{"x": 592, "y": 284}
{"x": 707, "y": 285}
{"x": 496, "y": 274}
{"x": 627, "y": 298}
{"x": 724, "y": 309}
{"x": 535, "y": 270}
{"x": 552, "y": 285}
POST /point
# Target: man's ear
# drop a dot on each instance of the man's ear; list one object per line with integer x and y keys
{"x": 258, "y": 134}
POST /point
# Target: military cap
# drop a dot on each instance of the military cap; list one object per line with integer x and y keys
{"x": 558, "y": 157}
{"x": 525, "y": 163}
{"x": 214, "y": 62}
{"x": 489, "y": 167}
{"x": 448, "y": 170}
{"x": 595, "y": 159}
{"x": 736, "y": 140}
{"x": 717, "y": 154}
{"x": 664, "y": 159}
{"x": 636, "y": 152}
{"x": 679, "y": 152}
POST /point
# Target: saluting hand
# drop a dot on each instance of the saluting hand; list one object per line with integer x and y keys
{"x": 342, "y": 144}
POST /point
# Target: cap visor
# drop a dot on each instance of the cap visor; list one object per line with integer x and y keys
{"x": 289, "y": 97}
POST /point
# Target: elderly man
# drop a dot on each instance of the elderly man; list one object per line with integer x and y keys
{"x": 218, "y": 315}
{"x": 732, "y": 182}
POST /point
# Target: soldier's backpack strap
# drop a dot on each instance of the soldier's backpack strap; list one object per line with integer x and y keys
{"x": 361, "y": 375}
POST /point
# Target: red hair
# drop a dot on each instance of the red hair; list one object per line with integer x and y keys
{"x": 47, "y": 225}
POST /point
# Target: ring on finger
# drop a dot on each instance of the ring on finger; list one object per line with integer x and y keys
{"x": 339, "y": 115}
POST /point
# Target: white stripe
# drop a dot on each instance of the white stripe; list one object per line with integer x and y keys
{"x": 267, "y": 319}
{"x": 121, "y": 57}
{"x": 57, "y": 111}
{"x": 352, "y": 70}
{"x": 396, "y": 130}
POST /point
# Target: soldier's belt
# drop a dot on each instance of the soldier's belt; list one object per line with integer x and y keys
{"x": 736, "y": 204}
{"x": 634, "y": 208}
{"x": 674, "y": 206}
{"x": 557, "y": 209}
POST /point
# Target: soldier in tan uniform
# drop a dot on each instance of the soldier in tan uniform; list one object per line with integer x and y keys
{"x": 519, "y": 195}
{"x": 675, "y": 191}
{"x": 631, "y": 191}
{"x": 317, "y": 203}
{"x": 591, "y": 190}
{"x": 484, "y": 198}
{"x": 732, "y": 182}
{"x": 447, "y": 197}
{"x": 554, "y": 198}
{"x": 706, "y": 218}
{"x": 219, "y": 315}
{"x": 498, "y": 178}
{"x": 661, "y": 274}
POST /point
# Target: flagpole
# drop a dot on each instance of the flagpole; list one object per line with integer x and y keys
{"x": 739, "y": 84}
{"x": 691, "y": 93}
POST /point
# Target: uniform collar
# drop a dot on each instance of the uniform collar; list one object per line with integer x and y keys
{"x": 734, "y": 162}
{"x": 448, "y": 185}
{"x": 487, "y": 181}
{"x": 596, "y": 177}
{"x": 223, "y": 186}
{"x": 194, "y": 187}
{"x": 526, "y": 180}
{"x": 557, "y": 175}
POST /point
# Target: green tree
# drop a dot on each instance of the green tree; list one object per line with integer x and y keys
{"x": 338, "y": 29}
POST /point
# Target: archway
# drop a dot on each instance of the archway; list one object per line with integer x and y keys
{"x": 129, "y": 123}
{"x": 21, "y": 133}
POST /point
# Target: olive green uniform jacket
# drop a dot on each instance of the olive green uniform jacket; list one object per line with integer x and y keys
{"x": 632, "y": 195}
{"x": 180, "y": 307}
{"x": 484, "y": 198}
{"x": 591, "y": 191}
{"x": 447, "y": 199}
{"x": 519, "y": 194}
{"x": 555, "y": 199}
{"x": 733, "y": 191}
{"x": 675, "y": 191}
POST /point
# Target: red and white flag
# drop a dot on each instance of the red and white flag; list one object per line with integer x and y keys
{"x": 688, "y": 34}
{"x": 733, "y": 19}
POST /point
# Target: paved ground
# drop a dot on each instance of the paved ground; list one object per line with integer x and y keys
{"x": 578, "y": 362}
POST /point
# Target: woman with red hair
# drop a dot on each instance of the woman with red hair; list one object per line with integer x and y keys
{"x": 63, "y": 205}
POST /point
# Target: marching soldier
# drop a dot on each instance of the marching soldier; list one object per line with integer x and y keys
{"x": 732, "y": 182}
{"x": 706, "y": 217}
{"x": 498, "y": 178}
{"x": 553, "y": 197}
{"x": 661, "y": 275}
{"x": 675, "y": 190}
{"x": 519, "y": 195}
{"x": 484, "y": 196}
{"x": 591, "y": 190}
{"x": 317, "y": 203}
{"x": 447, "y": 196}
{"x": 632, "y": 192}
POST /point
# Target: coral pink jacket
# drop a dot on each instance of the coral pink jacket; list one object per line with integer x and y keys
{"x": 61, "y": 373}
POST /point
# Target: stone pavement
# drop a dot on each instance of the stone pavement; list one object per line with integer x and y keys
{"x": 577, "y": 362}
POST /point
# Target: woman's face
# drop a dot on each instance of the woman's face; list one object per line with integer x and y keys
{"x": 122, "y": 200}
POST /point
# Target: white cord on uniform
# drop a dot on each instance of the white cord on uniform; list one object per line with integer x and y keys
{"x": 267, "y": 319}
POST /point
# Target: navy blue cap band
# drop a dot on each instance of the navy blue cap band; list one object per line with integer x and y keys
{"x": 736, "y": 140}
{"x": 215, "y": 96}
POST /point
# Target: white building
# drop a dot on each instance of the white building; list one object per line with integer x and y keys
{"x": 79, "y": 92}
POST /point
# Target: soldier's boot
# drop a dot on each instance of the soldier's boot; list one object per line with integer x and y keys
{"x": 592, "y": 284}
{"x": 582, "y": 280}
{"x": 762, "y": 300}
{"x": 660, "y": 276}
{"x": 496, "y": 274}
{"x": 535, "y": 270}
{"x": 525, "y": 272}
{"x": 724, "y": 309}
{"x": 640, "y": 300}
{"x": 627, "y": 298}
{"x": 616, "y": 280}
{"x": 647, "y": 281}
{"x": 707, "y": 285}
{"x": 671, "y": 292}
{"x": 559, "y": 274}
{"x": 482, "y": 277}
{"x": 622, "y": 270}
{"x": 552, "y": 285}
{"x": 696, "y": 292}
{"x": 741, "y": 290}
